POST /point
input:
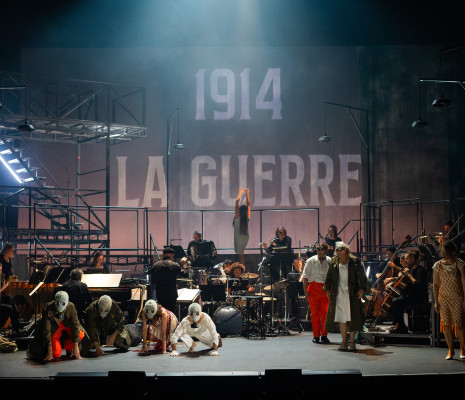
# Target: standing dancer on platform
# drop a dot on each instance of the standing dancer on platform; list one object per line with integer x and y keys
{"x": 199, "y": 325}
{"x": 158, "y": 324}
{"x": 241, "y": 223}
{"x": 346, "y": 283}
{"x": 313, "y": 278}
{"x": 449, "y": 300}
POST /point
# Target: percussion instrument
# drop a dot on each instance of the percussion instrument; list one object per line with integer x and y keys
{"x": 228, "y": 320}
{"x": 248, "y": 275}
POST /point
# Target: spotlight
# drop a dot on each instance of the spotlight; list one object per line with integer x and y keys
{"x": 324, "y": 139}
{"x": 441, "y": 103}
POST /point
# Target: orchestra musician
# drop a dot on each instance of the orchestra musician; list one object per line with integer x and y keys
{"x": 331, "y": 238}
{"x": 7, "y": 253}
{"x": 97, "y": 264}
{"x": 241, "y": 284}
{"x": 221, "y": 270}
{"x": 281, "y": 254}
{"x": 201, "y": 252}
{"x": 450, "y": 233}
{"x": 385, "y": 269}
{"x": 7, "y": 305}
{"x": 414, "y": 294}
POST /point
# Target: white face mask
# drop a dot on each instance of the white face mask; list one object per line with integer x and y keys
{"x": 195, "y": 311}
{"x": 104, "y": 305}
{"x": 150, "y": 308}
{"x": 61, "y": 301}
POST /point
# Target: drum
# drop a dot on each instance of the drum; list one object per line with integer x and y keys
{"x": 240, "y": 302}
{"x": 228, "y": 320}
{"x": 201, "y": 277}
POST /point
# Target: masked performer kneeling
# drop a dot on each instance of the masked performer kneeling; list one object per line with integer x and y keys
{"x": 199, "y": 325}
{"x": 103, "y": 318}
{"x": 59, "y": 327}
{"x": 158, "y": 324}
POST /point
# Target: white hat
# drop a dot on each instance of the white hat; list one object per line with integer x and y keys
{"x": 342, "y": 245}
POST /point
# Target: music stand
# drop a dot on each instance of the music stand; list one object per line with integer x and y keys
{"x": 58, "y": 275}
{"x": 178, "y": 251}
{"x": 280, "y": 254}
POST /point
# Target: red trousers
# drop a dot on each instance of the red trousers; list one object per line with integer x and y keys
{"x": 318, "y": 302}
{"x": 56, "y": 344}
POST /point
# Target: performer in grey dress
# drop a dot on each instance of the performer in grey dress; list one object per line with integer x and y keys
{"x": 241, "y": 223}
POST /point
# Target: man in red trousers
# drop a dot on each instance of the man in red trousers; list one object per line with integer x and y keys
{"x": 313, "y": 278}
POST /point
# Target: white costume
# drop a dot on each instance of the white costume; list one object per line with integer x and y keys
{"x": 343, "y": 301}
{"x": 315, "y": 270}
{"x": 205, "y": 332}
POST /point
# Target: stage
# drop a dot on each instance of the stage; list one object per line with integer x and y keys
{"x": 250, "y": 368}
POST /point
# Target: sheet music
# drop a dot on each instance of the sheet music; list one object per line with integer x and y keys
{"x": 102, "y": 280}
{"x": 187, "y": 295}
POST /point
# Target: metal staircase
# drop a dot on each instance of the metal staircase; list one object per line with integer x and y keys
{"x": 65, "y": 111}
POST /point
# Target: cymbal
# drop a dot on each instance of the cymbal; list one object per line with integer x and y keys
{"x": 249, "y": 275}
{"x": 279, "y": 248}
{"x": 278, "y": 285}
{"x": 183, "y": 280}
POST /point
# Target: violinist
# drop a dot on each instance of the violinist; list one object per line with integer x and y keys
{"x": 331, "y": 238}
{"x": 414, "y": 294}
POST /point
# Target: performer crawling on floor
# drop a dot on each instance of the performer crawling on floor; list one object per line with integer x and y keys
{"x": 158, "y": 324}
{"x": 199, "y": 325}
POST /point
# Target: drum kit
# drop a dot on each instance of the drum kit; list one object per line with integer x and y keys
{"x": 259, "y": 312}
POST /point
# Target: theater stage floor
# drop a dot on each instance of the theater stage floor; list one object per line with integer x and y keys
{"x": 240, "y": 355}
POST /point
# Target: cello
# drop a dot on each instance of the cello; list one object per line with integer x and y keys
{"x": 395, "y": 289}
{"x": 378, "y": 287}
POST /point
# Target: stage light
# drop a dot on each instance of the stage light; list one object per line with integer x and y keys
{"x": 419, "y": 123}
{"x": 9, "y": 169}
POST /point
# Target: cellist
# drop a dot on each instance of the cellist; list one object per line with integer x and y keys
{"x": 450, "y": 233}
{"x": 414, "y": 294}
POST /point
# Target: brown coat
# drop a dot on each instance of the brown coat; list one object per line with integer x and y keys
{"x": 357, "y": 280}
